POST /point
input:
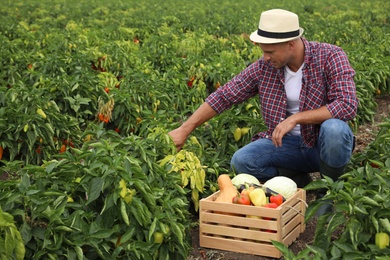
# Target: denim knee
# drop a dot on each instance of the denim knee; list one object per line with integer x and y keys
{"x": 336, "y": 142}
{"x": 237, "y": 163}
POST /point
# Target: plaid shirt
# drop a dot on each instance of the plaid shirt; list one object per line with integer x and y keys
{"x": 327, "y": 79}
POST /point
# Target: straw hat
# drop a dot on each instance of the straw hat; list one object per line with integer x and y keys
{"x": 276, "y": 26}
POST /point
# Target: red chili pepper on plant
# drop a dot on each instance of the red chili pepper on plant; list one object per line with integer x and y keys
{"x": 63, "y": 148}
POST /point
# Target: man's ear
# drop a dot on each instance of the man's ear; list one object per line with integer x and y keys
{"x": 291, "y": 44}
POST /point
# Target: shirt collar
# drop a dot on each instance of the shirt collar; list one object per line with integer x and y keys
{"x": 308, "y": 54}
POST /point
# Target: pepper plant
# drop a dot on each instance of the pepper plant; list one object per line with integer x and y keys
{"x": 99, "y": 201}
{"x": 360, "y": 224}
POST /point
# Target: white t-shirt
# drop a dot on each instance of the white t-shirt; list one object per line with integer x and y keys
{"x": 293, "y": 86}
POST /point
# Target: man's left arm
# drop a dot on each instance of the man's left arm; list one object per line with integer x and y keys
{"x": 342, "y": 100}
{"x": 309, "y": 117}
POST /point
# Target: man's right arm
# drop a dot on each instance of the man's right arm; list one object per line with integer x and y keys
{"x": 201, "y": 115}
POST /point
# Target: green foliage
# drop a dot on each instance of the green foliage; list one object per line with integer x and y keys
{"x": 70, "y": 60}
{"x": 361, "y": 202}
{"x": 188, "y": 166}
{"x": 72, "y": 205}
{"x": 11, "y": 243}
{"x": 377, "y": 152}
{"x": 143, "y": 72}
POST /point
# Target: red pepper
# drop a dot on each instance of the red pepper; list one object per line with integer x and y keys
{"x": 63, "y": 148}
{"x": 242, "y": 198}
{"x": 271, "y": 205}
{"x": 278, "y": 199}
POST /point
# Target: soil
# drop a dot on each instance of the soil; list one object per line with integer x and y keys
{"x": 365, "y": 135}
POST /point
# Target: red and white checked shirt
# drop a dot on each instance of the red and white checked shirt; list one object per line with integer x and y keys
{"x": 327, "y": 79}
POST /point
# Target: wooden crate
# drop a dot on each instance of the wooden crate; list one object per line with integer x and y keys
{"x": 226, "y": 226}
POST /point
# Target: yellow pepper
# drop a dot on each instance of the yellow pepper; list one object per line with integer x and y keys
{"x": 258, "y": 197}
{"x": 382, "y": 240}
{"x": 41, "y": 113}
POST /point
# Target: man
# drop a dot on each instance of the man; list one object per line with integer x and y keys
{"x": 307, "y": 94}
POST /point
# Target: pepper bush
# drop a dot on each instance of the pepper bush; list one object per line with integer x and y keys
{"x": 105, "y": 200}
{"x": 361, "y": 207}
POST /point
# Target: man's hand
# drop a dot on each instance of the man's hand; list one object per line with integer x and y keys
{"x": 179, "y": 137}
{"x": 315, "y": 117}
{"x": 281, "y": 130}
{"x": 201, "y": 115}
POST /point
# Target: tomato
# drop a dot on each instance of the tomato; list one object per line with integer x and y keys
{"x": 278, "y": 199}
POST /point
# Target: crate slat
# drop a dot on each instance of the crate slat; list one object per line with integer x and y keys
{"x": 227, "y": 226}
{"x": 240, "y": 246}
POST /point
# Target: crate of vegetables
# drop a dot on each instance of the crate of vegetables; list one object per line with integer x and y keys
{"x": 228, "y": 221}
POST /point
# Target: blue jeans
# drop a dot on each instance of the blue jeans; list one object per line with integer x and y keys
{"x": 261, "y": 158}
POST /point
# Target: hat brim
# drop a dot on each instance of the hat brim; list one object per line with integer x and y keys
{"x": 254, "y": 37}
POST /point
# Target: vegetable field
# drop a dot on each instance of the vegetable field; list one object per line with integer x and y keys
{"x": 90, "y": 89}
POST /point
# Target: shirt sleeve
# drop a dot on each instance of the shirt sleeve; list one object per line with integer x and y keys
{"x": 342, "y": 99}
{"x": 240, "y": 88}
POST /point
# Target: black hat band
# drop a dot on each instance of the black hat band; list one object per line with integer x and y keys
{"x": 278, "y": 35}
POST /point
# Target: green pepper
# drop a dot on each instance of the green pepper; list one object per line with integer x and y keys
{"x": 382, "y": 240}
